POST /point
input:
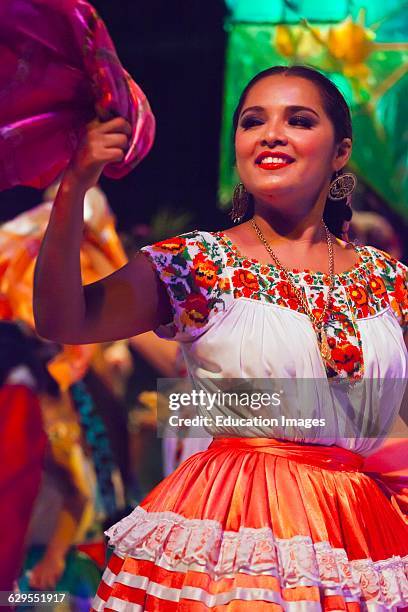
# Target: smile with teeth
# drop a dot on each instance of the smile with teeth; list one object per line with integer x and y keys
{"x": 274, "y": 160}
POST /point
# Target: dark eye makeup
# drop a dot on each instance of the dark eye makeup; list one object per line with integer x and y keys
{"x": 249, "y": 121}
{"x": 301, "y": 120}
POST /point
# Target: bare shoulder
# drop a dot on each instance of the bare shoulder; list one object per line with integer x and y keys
{"x": 240, "y": 235}
{"x": 346, "y": 253}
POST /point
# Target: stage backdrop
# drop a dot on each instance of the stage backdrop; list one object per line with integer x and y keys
{"x": 361, "y": 45}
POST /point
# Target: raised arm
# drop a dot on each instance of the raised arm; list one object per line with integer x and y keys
{"x": 128, "y": 302}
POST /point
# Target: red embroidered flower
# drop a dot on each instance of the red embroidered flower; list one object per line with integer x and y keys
{"x": 399, "y": 297}
{"x": 358, "y": 295}
{"x": 380, "y": 263}
{"x": 173, "y": 245}
{"x": 195, "y": 310}
{"x": 287, "y": 292}
{"x": 319, "y": 305}
{"x": 247, "y": 280}
{"x": 246, "y": 263}
{"x": 400, "y": 292}
{"x": 308, "y": 279}
{"x": 264, "y": 270}
{"x": 346, "y": 357}
{"x": 205, "y": 271}
{"x": 377, "y": 286}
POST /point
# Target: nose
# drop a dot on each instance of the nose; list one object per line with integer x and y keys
{"x": 273, "y": 135}
{"x": 271, "y": 141}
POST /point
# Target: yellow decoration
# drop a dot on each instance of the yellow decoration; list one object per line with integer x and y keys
{"x": 345, "y": 46}
{"x": 284, "y": 42}
{"x": 350, "y": 42}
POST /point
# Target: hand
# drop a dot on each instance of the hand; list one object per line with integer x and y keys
{"x": 47, "y": 572}
{"x": 103, "y": 143}
{"x": 118, "y": 358}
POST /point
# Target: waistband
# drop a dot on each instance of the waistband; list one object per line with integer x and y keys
{"x": 327, "y": 457}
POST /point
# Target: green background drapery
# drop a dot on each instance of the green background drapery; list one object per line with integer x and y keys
{"x": 361, "y": 46}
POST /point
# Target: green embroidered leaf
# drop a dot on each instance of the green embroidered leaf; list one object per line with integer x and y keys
{"x": 186, "y": 255}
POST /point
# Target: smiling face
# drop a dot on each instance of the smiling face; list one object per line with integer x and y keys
{"x": 285, "y": 143}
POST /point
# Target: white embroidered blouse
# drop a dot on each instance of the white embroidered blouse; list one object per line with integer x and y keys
{"x": 237, "y": 318}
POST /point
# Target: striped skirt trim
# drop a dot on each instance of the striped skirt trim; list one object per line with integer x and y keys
{"x": 129, "y": 585}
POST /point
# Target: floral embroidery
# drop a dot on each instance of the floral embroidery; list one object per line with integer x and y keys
{"x": 173, "y": 245}
{"x": 399, "y": 299}
{"x": 204, "y": 271}
{"x": 287, "y": 294}
{"x": 195, "y": 310}
{"x": 196, "y": 279}
{"x": 246, "y": 282}
{"x": 377, "y": 285}
{"x": 346, "y": 355}
{"x": 376, "y": 282}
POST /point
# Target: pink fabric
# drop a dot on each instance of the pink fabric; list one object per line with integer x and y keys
{"x": 59, "y": 69}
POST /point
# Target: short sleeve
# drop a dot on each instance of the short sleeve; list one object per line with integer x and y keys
{"x": 395, "y": 276}
{"x": 192, "y": 268}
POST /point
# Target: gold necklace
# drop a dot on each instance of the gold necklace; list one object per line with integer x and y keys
{"x": 318, "y": 324}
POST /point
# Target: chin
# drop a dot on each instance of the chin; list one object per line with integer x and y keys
{"x": 271, "y": 190}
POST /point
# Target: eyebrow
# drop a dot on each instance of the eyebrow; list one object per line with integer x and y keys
{"x": 293, "y": 108}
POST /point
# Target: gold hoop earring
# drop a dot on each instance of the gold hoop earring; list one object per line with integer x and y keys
{"x": 240, "y": 201}
{"x": 342, "y": 186}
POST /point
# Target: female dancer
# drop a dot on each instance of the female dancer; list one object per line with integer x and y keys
{"x": 262, "y": 518}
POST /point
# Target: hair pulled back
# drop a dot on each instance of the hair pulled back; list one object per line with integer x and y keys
{"x": 337, "y": 110}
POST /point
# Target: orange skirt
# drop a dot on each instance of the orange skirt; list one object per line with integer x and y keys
{"x": 256, "y": 523}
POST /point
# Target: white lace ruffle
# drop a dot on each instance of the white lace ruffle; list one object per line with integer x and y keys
{"x": 180, "y": 544}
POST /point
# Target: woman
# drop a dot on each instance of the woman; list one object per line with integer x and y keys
{"x": 263, "y": 517}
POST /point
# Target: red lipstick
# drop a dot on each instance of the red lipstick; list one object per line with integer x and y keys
{"x": 273, "y": 160}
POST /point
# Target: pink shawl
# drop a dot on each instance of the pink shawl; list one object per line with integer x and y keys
{"x": 59, "y": 69}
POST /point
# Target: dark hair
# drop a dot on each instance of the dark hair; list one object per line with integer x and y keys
{"x": 336, "y": 108}
{"x": 20, "y": 346}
